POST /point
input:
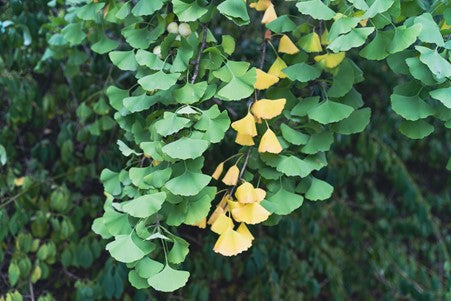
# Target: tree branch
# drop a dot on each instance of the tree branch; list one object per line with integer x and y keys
{"x": 199, "y": 55}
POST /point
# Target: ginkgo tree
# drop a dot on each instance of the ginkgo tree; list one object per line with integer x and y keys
{"x": 183, "y": 76}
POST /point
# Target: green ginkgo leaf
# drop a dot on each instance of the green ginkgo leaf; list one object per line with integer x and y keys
{"x": 292, "y": 136}
{"x": 188, "y": 11}
{"x": 137, "y": 281}
{"x": 302, "y": 72}
{"x": 343, "y": 80}
{"x": 420, "y": 71}
{"x": 159, "y": 81}
{"x": 355, "y": 123}
{"x": 190, "y": 93}
{"x": 116, "y": 223}
{"x": 430, "y": 32}
{"x": 418, "y": 129}
{"x": 330, "y": 111}
{"x": 148, "y": 267}
{"x": 316, "y": 9}
{"x": 73, "y": 33}
{"x": 341, "y": 26}
{"x": 214, "y": 124}
{"x": 378, "y": 7}
{"x": 90, "y": 11}
{"x": 139, "y": 38}
{"x": 178, "y": 251}
{"x": 104, "y": 45}
{"x": 123, "y": 11}
{"x": 139, "y": 103}
{"x": 188, "y": 184}
{"x": 238, "y": 87}
{"x": 281, "y": 24}
{"x": 319, "y": 142}
{"x": 168, "y": 280}
{"x": 438, "y": 65}
{"x": 410, "y": 107}
{"x": 185, "y": 148}
{"x": 111, "y": 182}
{"x": 198, "y": 206}
{"x": 144, "y": 206}
{"x": 148, "y": 59}
{"x": 377, "y": 48}
{"x": 443, "y": 95}
{"x": 124, "y": 60}
{"x": 355, "y": 38}
{"x": 171, "y": 124}
{"x": 146, "y": 7}
{"x": 319, "y": 190}
{"x": 124, "y": 249}
{"x": 282, "y": 202}
{"x": 292, "y": 166}
{"x": 234, "y": 10}
{"x": 404, "y": 37}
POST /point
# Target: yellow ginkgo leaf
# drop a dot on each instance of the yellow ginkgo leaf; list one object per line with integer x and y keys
{"x": 264, "y": 80}
{"x": 231, "y": 176}
{"x": 245, "y": 193}
{"x": 250, "y": 213}
{"x": 216, "y": 213}
{"x": 277, "y": 67}
{"x": 261, "y": 5}
{"x": 222, "y": 223}
{"x": 231, "y": 243}
{"x": 201, "y": 224}
{"x": 330, "y": 60}
{"x": 269, "y": 15}
{"x": 269, "y": 143}
{"x": 311, "y": 42}
{"x": 246, "y": 125}
{"x": 267, "y": 108}
{"x": 324, "y": 40}
{"x": 218, "y": 171}
{"x": 243, "y": 139}
{"x": 260, "y": 194}
{"x": 19, "y": 181}
{"x": 287, "y": 46}
{"x": 243, "y": 230}
{"x": 445, "y": 26}
{"x": 233, "y": 204}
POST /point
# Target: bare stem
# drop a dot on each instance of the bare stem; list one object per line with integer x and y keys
{"x": 199, "y": 55}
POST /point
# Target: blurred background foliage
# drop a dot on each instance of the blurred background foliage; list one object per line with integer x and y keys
{"x": 384, "y": 235}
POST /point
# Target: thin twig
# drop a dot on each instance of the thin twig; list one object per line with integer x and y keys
{"x": 31, "y": 291}
{"x": 199, "y": 55}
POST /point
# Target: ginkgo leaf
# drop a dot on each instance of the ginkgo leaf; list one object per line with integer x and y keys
{"x": 267, "y": 108}
{"x": 410, "y": 107}
{"x": 269, "y": 143}
{"x": 292, "y": 136}
{"x": 124, "y": 249}
{"x": 355, "y": 38}
{"x": 302, "y": 72}
{"x": 260, "y": 5}
{"x": 330, "y": 60}
{"x": 377, "y": 48}
{"x": 292, "y": 166}
{"x": 158, "y": 80}
{"x": 377, "y": 7}
{"x": 222, "y": 224}
{"x": 243, "y": 230}
{"x": 264, "y": 80}
{"x": 310, "y": 43}
{"x": 171, "y": 123}
{"x": 188, "y": 11}
{"x": 231, "y": 243}
{"x": 404, "y": 37}
{"x": 147, "y": 267}
{"x": 145, "y": 206}
{"x": 218, "y": 171}
{"x": 124, "y": 60}
{"x": 250, "y": 213}
{"x": 316, "y": 9}
{"x": 261, "y": 194}
{"x": 231, "y": 176}
{"x": 330, "y": 111}
{"x": 185, "y": 148}
{"x": 269, "y": 15}
{"x": 277, "y": 67}
{"x": 417, "y": 129}
{"x": 319, "y": 190}
{"x": 430, "y": 32}
{"x": 244, "y": 139}
{"x": 168, "y": 280}
{"x": 281, "y": 24}
{"x": 287, "y": 46}
{"x": 342, "y": 25}
{"x": 283, "y": 202}
{"x": 443, "y": 95}
{"x": 435, "y": 62}
{"x": 234, "y": 10}
{"x": 202, "y": 224}
{"x": 245, "y": 193}
{"x": 246, "y": 125}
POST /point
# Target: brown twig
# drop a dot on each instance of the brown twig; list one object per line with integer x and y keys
{"x": 31, "y": 291}
{"x": 199, "y": 55}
